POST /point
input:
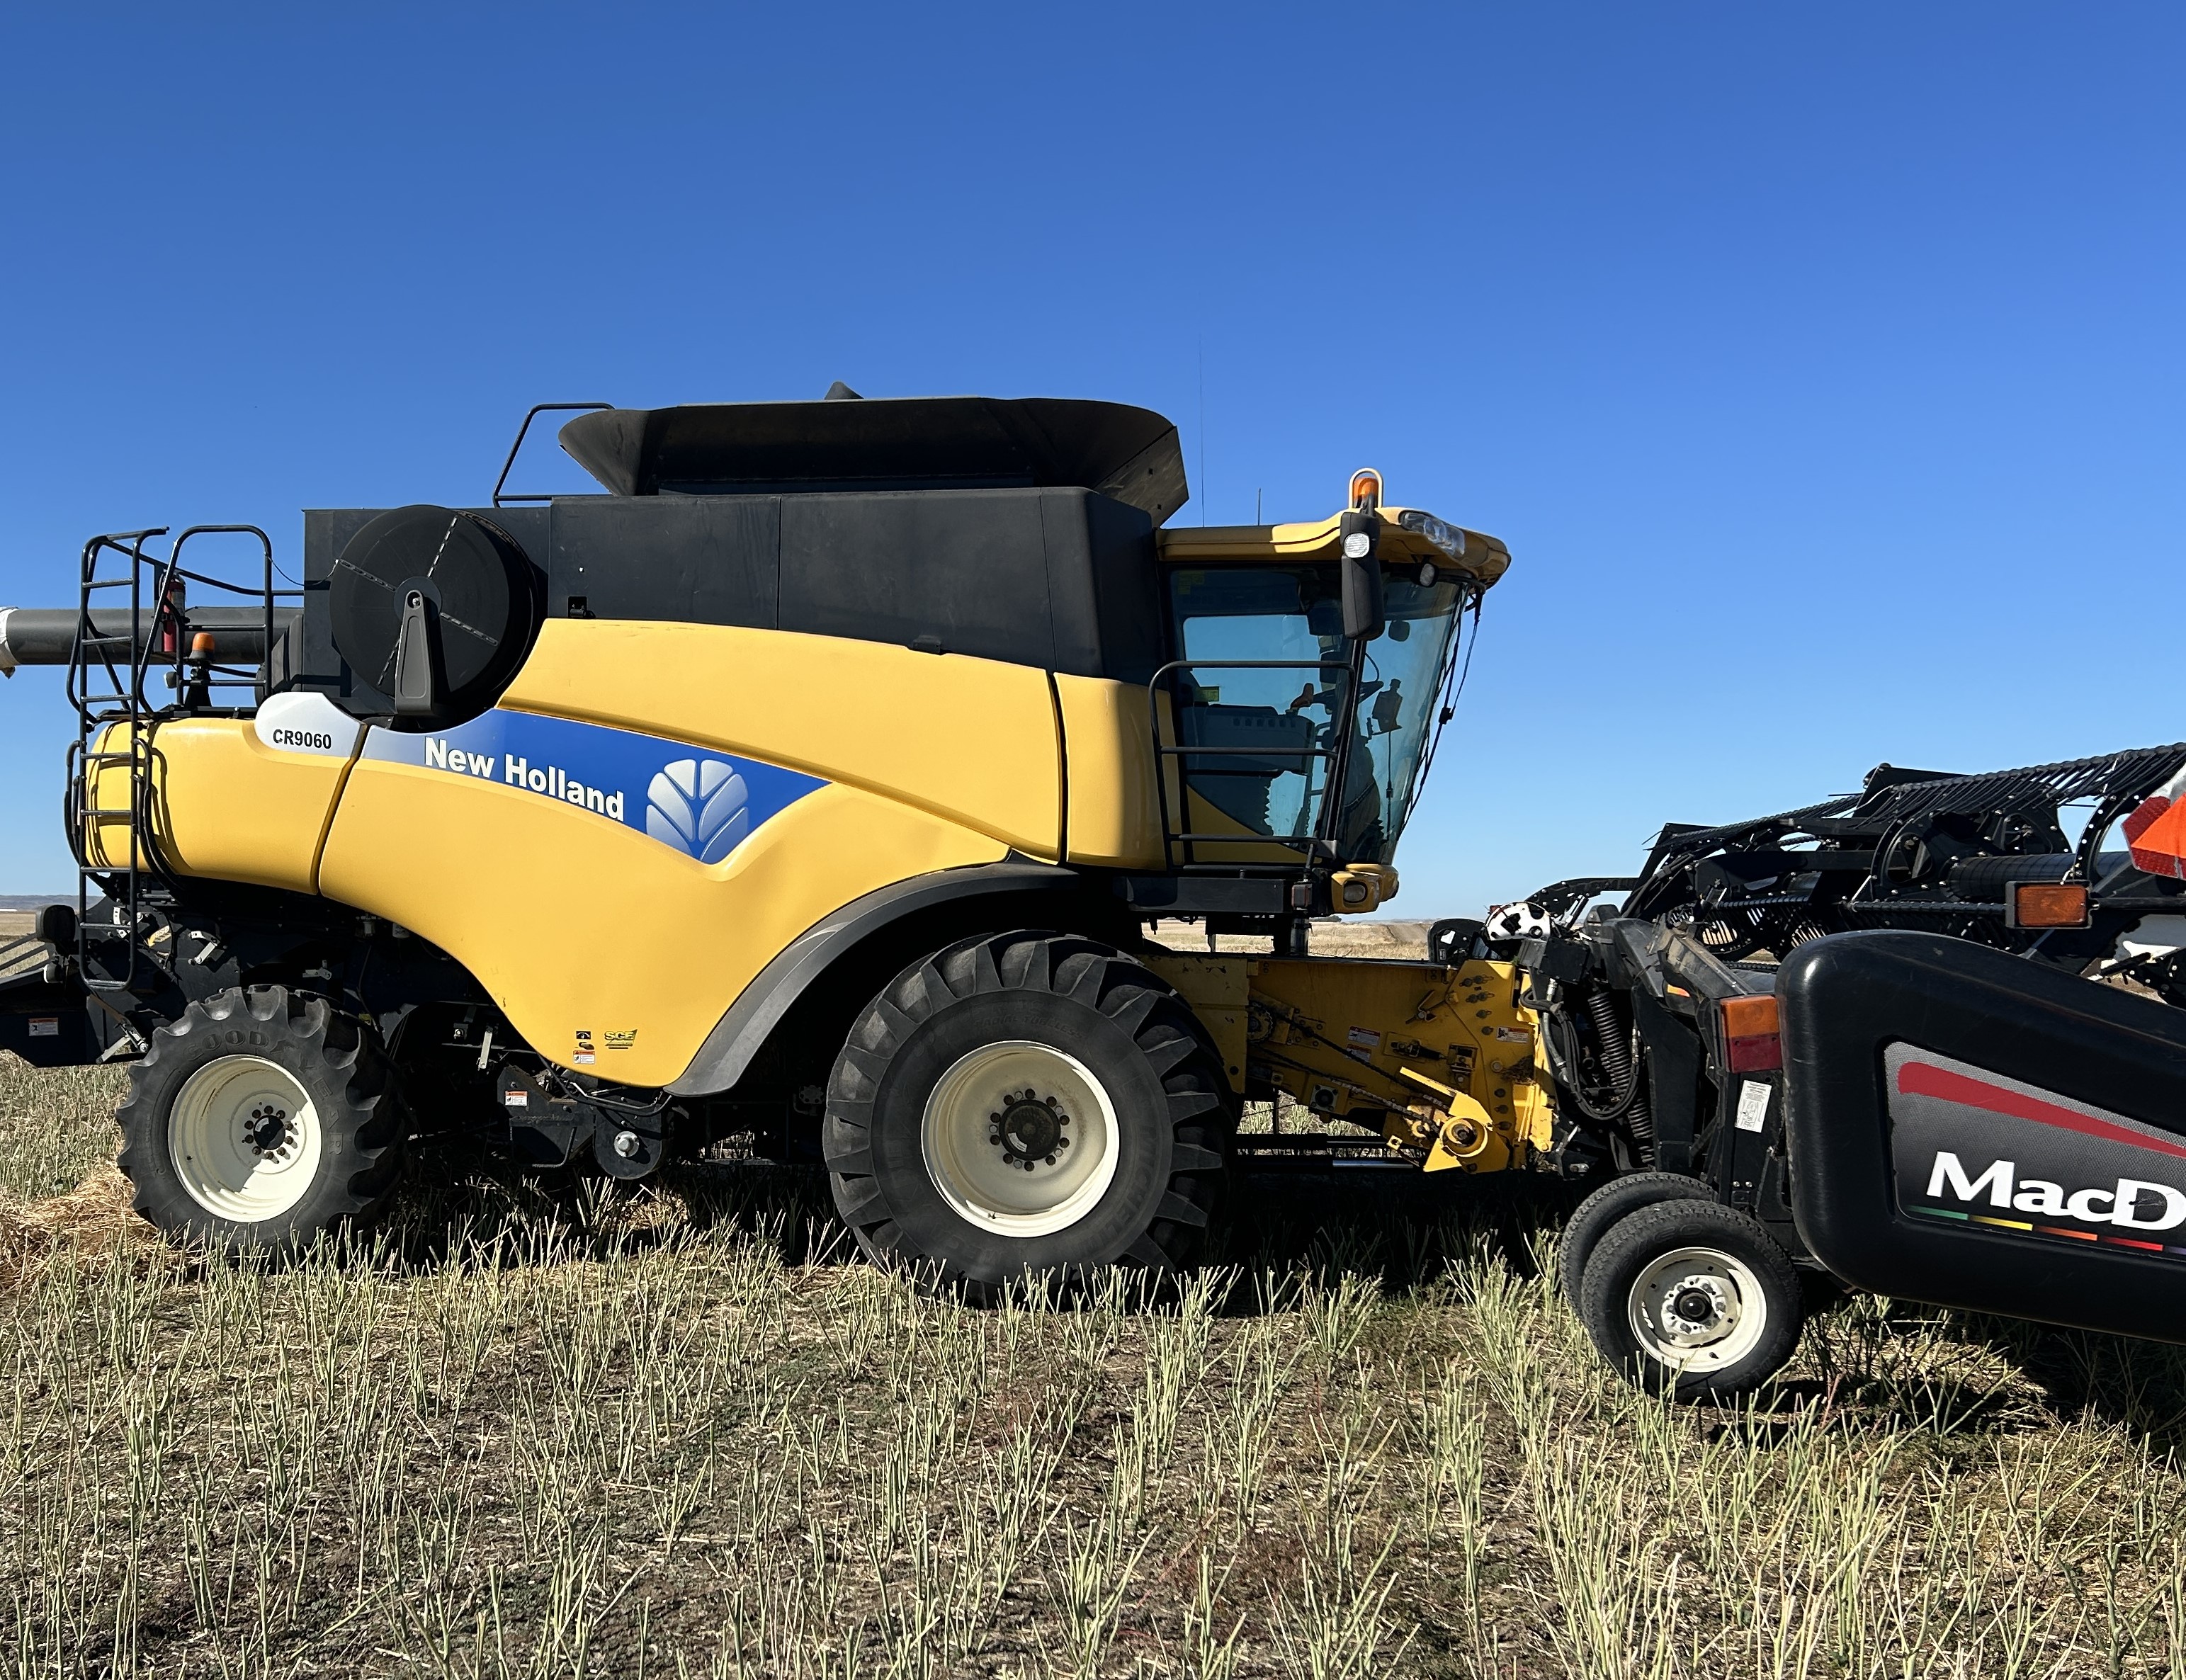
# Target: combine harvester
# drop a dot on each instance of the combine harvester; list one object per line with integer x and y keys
{"x": 804, "y": 788}
{"x": 811, "y": 793}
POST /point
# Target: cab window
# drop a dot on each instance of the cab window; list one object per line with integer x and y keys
{"x": 1277, "y": 725}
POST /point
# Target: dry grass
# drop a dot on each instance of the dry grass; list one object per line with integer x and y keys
{"x": 684, "y": 1435}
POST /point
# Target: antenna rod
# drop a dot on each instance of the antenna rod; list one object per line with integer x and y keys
{"x": 1203, "y": 429}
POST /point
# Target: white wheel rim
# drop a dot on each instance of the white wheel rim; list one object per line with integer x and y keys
{"x": 245, "y": 1138}
{"x": 1697, "y": 1309}
{"x": 988, "y": 1125}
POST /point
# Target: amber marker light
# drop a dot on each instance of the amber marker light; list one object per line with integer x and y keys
{"x": 2047, "y": 903}
{"x": 1750, "y": 1043}
{"x": 1365, "y": 488}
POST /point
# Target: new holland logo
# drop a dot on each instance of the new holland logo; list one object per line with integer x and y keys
{"x": 699, "y": 803}
{"x": 700, "y": 806}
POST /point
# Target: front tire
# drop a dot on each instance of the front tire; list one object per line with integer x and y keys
{"x": 1592, "y": 1218}
{"x": 1692, "y": 1297}
{"x": 1026, "y": 1107}
{"x": 259, "y": 1120}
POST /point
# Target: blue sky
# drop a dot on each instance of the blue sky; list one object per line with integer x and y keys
{"x": 1821, "y": 367}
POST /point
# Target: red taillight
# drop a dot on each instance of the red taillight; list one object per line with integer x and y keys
{"x": 1750, "y": 1043}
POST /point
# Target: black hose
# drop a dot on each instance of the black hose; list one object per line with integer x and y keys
{"x": 1627, "y": 1110}
{"x": 1613, "y": 1048}
{"x": 1615, "y": 1054}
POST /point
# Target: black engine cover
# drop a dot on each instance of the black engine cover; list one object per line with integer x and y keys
{"x": 1969, "y": 1129}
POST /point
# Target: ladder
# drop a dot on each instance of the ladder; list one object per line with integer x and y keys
{"x": 134, "y": 637}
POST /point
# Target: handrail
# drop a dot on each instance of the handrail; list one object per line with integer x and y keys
{"x": 109, "y": 690}
{"x": 537, "y": 409}
{"x": 1311, "y": 847}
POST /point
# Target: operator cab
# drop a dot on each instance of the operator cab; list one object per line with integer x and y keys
{"x": 1292, "y": 679}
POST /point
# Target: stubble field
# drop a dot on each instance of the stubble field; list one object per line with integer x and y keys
{"x": 687, "y": 1434}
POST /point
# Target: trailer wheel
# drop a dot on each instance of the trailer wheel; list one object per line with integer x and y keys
{"x": 1029, "y": 1106}
{"x": 1692, "y": 1297}
{"x": 1605, "y": 1207}
{"x": 259, "y": 1120}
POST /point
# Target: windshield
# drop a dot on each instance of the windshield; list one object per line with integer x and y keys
{"x": 1273, "y": 731}
{"x": 1405, "y": 665}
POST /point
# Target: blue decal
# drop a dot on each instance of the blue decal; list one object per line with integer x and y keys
{"x": 703, "y": 804}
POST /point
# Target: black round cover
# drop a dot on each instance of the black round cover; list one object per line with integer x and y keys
{"x": 483, "y": 584}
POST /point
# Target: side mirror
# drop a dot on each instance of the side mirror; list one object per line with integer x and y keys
{"x": 1363, "y": 613}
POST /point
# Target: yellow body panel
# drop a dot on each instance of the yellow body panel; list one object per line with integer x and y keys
{"x": 577, "y": 924}
{"x": 106, "y": 794}
{"x": 974, "y": 742}
{"x": 1219, "y": 990}
{"x": 1108, "y": 742}
{"x": 224, "y": 804}
{"x": 1440, "y": 1059}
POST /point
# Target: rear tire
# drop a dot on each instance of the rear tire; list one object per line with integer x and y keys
{"x": 1026, "y": 1107}
{"x": 1692, "y": 1297}
{"x": 260, "y": 1120}
{"x": 1605, "y": 1207}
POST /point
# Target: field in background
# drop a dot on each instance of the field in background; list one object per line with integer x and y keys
{"x": 687, "y": 1434}
{"x": 1331, "y": 938}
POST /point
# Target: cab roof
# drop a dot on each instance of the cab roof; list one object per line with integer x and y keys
{"x": 1482, "y": 557}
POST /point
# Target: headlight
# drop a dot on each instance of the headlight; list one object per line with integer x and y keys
{"x": 1446, "y": 537}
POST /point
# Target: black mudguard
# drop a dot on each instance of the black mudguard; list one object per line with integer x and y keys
{"x": 48, "y": 1025}
{"x": 1969, "y": 1129}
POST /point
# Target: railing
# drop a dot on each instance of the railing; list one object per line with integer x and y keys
{"x": 502, "y": 495}
{"x": 1180, "y": 841}
{"x": 134, "y": 617}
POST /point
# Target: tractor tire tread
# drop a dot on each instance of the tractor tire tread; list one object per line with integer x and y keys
{"x": 350, "y": 1080}
{"x": 1144, "y": 1007}
{"x": 1609, "y": 1203}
